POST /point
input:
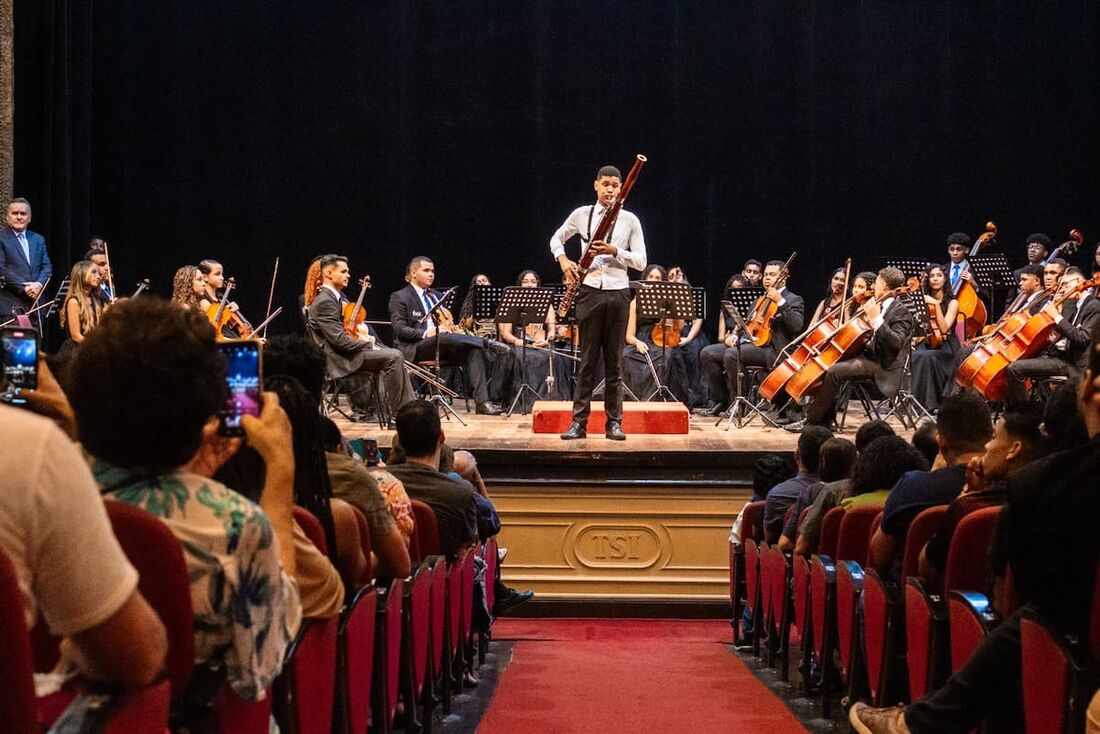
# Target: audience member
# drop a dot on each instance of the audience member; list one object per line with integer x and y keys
{"x": 70, "y": 568}
{"x": 1049, "y": 520}
{"x": 1063, "y": 424}
{"x": 783, "y": 495}
{"x": 154, "y": 372}
{"x": 835, "y": 463}
{"x": 963, "y": 426}
{"x": 1017, "y": 441}
{"x": 831, "y": 493}
{"x": 924, "y": 439}
{"x": 880, "y": 465}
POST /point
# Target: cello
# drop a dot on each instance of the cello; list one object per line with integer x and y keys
{"x": 759, "y": 322}
{"x": 1018, "y": 341}
{"x": 848, "y": 340}
{"x": 972, "y": 310}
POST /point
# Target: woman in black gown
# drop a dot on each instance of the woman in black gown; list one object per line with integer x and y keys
{"x": 534, "y": 368}
{"x": 640, "y": 344}
{"x": 933, "y": 368}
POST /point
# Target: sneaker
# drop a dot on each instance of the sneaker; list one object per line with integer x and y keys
{"x": 509, "y": 600}
{"x": 867, "y": 720}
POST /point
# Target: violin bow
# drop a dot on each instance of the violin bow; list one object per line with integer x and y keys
{"x": 110, "y": 276}
{"x": 844, "y": 293}
{"x": 270, "y": 299}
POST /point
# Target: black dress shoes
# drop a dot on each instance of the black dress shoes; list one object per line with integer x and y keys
{"x": 488, "y": 409}
{"x": 712, "y": 409}
{"x": 614, "y": 431}
{"x": 576, "y": 430}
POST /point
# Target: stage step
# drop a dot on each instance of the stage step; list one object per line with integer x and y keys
{"x": 554, "y": 416}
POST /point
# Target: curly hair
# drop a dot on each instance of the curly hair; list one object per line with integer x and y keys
{"x": 881, "y": 464}
{"x": 314, "y": 281}
{"x": 153, "y": 372}
{"x": 183, "y": 287}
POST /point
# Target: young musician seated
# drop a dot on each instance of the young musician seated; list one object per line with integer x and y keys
{"x": 933, "y": 367}
{"x": 416, "y": 337}
{"x": 534, "y": 369}
{"x": 883, "y": 359}
{"x": 1074, "y": 326}
{"x": 356, "y": 356}
{"x": 789, "y": 319}
{"x": 642, "y": 350}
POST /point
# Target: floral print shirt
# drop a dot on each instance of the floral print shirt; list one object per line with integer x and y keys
{"x": 246, "y": 610}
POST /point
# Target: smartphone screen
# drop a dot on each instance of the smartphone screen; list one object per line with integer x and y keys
{"x": 370, "y": 451}
{"x": 20, "y": 360}
{"x": 243, "y": 375}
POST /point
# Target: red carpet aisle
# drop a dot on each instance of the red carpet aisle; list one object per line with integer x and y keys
{"x": 593, "y": 675}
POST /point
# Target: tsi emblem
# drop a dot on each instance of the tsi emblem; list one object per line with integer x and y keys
{"x": 615, "y": 546}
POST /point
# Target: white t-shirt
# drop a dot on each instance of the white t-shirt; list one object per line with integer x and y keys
{"x": 54, "y": 528}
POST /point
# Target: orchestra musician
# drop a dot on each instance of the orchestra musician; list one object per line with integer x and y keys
{"x": 640, "y": 344}
{"x": 933, "y": 366}
{"x": 83, "y": 307}
{"x": 1074, "y": 326}
{"x": 752, "y": 272}
{"x": 97, "y": 253}
{"x": 883, "y": 359}
{"x": 417, "y": 339}
{"x": 788, "y": 322}
{"x": 864, "y": 282}
{"x": 189, "y": 287}
{"x": 603, "y": 302}
{"x": 349, "y": 356}
{"x": 1053, "y": 272}
{"x": 1038, "y": 247}
{"x": 213, "y": 274}
{"x": 692, "y": 343}
{"x": 536, "y": 368}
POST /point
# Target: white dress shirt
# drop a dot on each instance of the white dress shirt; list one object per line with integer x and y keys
{"x": 878, "y": 321}
{"x": 608, "y": 272}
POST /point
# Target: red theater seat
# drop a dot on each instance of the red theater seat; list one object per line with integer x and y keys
{"x": 355, "y": 663}
{"x": 852, "y": 548}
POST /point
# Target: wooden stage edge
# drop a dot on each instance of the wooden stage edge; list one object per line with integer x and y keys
{"x": 615, "y": 528}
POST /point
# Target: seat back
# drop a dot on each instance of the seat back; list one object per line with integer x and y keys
{"x": 492, "y": 570}
{"x": 438, "y": 566}
{"x": 305, "y": 690}
{"x": 427, "y": 530}
{"x": 765, "y": 576}
{"x": 921, "y": 530}
{"x": 919, "y": 638}
{"x": 454, "y": 603}
{"x": 416, "y": 615}
{"x": 1046, "y": 667}
{"x": 163, "y": 580}
{"x": 752, "y": 522}
{"x": 468, "y": 597}
{"x": 18, "y": 705}
{"x": 800, "y": 573}
{"x": 821, "y": 569}
{"x": 830, "y": 532}
{"x": 312, "y": 527}
{"x": 752, "y": 574}
{"x": 878, "y": 626}
{"x": 387, "y": 658}
{"x": 968, "y": 557}
{"x": 855, "y": 533}
{"x": 355, "y": 647}
{"x": 240, "y": 716}
{"x": 364, "y": 542}
{"x": 849, "y": 585}
{"x": 969, "y": 615}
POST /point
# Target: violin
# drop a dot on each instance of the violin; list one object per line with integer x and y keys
{"x": 760, "y": 322}
{"x": 667, "y": 333}
{"x": 972, "y": 310}
{"x": 935, "y": 336}
{"x": 847, "y": 340}
{"x": 354, "y": 314}
{"x": 221, "y": 315}
{"x": 1023, "y": 336}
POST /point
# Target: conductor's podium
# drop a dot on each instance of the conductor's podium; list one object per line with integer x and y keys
{"x": 554, "y": 416}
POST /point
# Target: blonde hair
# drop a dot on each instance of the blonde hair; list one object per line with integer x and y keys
{"x": 183, "y": 287}
{"x": 91, "y": 307}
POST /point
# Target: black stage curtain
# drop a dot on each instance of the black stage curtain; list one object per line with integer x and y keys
{"x": 468, "y": 130}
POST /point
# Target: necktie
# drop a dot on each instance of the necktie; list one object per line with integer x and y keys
{"x": 22, "y": 237}
{"x": 427, "y": 302}
{"x": 954, "y": 274}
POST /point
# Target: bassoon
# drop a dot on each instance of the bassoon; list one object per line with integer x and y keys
{"x": 602, "y": 231}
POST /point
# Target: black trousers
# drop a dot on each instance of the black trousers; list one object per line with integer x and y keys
{"x": 1037, "y": 368}
{"x": 602, "y": 317}
{"x": 460, "y": 349}
{"x": 823, "y": 408}
{"x": 988, "y": 684}
{"x": 718, "y": 358}
{"x": 396, "y": 387}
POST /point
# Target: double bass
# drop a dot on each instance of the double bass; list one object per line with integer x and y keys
{"x": 986, "y": 368}
{"x": 972, "y": 310}
{"x": 759, "y": 322}
{"x": 845, "y": 342}
{"x": 603, "y": 231}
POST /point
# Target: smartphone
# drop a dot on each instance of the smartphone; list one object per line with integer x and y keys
{"x": 370, "y": 451}
{"x": 20, "y": 362}
{"x": 244, "y": 377}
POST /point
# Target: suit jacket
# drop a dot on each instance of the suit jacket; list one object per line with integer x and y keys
{"x": 17, "y": 271}
{"x": 1079, "y": 336}
{"x": 406, "y": 310}
{"x": 344, "y": 354}
{"x": 890, "y": 346}
{"x": 788, "y": 322}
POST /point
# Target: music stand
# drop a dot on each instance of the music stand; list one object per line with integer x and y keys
{"x": 486, "y": 299}
{"x": 918, "y": 309}
{"x": 699, "y": 300}
{"x": 910, "y": 267}
{"x": 992, "y": 269}
{"x": 741, "y": 409}
{"x": 436, "y": 395}
{"x": 523, "y": 306}
{"x": 58, "y": 300}
{"x": 666, "y": 302}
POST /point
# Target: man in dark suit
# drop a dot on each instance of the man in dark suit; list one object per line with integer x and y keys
{"x": 24, "y": 264}
{"x": 348, "y": 356}
{"x": 883, "y": 359}
{"x": 1075, "y": 325}
{"x": 790, "y": 317}
{"x": 417, "y": 339}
